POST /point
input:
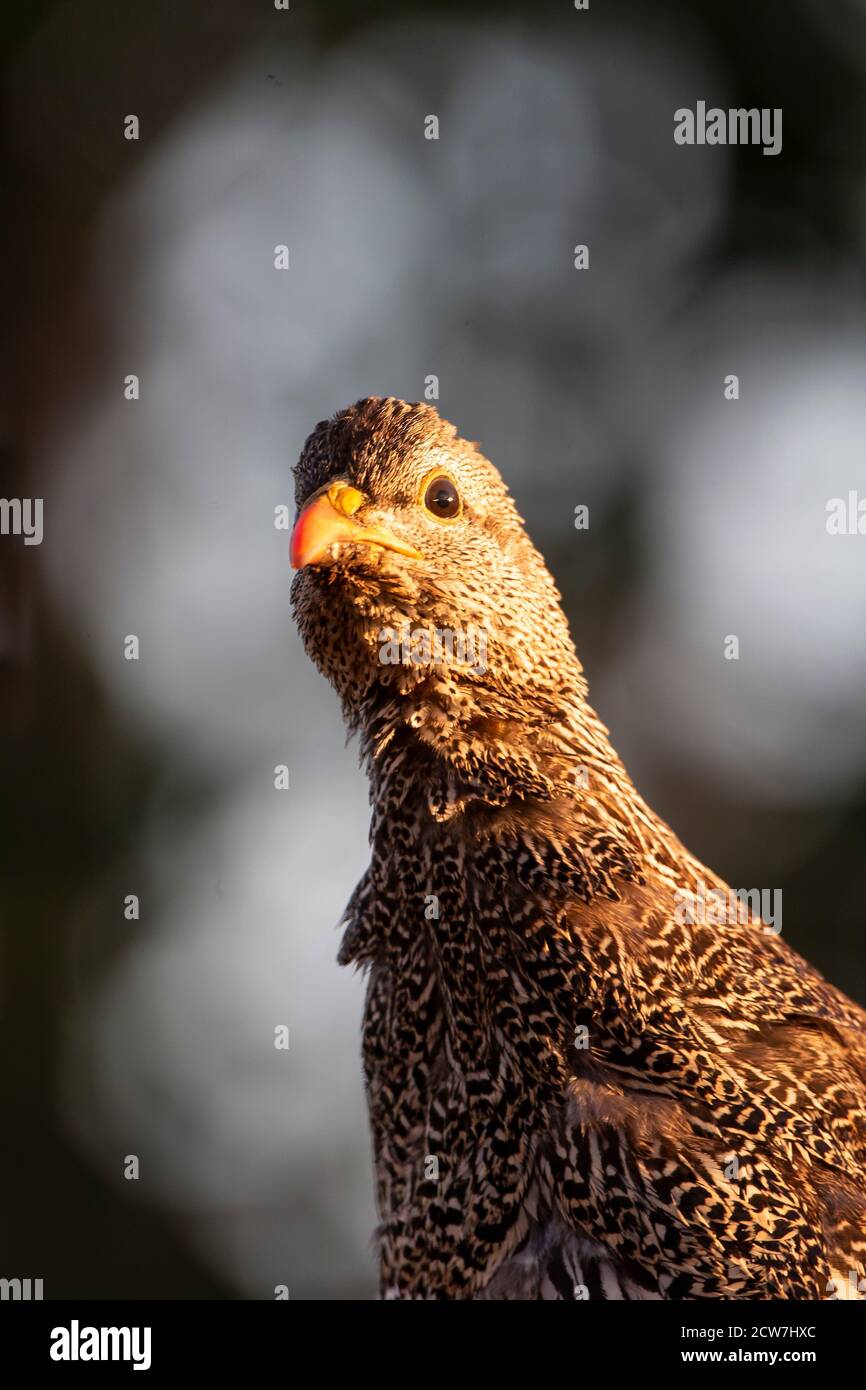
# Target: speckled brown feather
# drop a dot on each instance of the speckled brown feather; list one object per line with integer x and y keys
{"x": 706, "y": 1136}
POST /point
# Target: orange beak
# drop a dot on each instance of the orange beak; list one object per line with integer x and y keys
{"x": 327, "y": 521}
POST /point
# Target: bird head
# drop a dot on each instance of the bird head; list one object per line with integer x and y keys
{"x": 418, "y": 592}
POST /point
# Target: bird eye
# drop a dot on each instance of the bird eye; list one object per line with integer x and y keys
{"x": 441, "y": 498}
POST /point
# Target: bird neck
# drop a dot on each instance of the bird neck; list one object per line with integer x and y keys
{"x": 518, "y": 846}
{"x": 539, "y": 777}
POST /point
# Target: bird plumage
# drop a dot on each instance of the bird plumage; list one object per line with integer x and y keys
{"x": 574, "y": 1090}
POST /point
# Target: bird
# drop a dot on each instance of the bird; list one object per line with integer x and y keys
{"x": 580, "y": 1085}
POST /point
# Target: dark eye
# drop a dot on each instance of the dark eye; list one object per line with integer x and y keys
{"x": 441, "y": 498}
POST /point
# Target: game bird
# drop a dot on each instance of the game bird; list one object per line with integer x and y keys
{"x": 580, "y": 1084}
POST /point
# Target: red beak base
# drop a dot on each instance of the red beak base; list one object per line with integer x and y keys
{"x": 327, "y": 521}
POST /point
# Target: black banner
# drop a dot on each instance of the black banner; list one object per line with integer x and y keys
{"x": 160, "y": 1338}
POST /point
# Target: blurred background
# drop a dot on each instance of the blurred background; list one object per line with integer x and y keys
{"x": 408, "y": 258}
